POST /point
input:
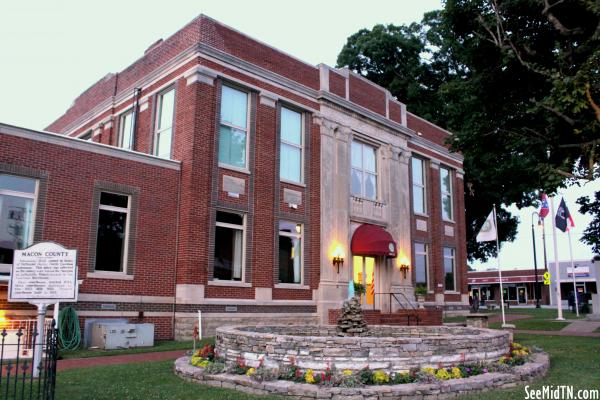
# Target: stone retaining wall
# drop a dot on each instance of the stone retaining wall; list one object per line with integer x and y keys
{"x": 537, "y": 367}
{"x": 391, "y": 348}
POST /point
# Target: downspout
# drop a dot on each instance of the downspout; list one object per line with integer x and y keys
{"x": 176, "y": 249}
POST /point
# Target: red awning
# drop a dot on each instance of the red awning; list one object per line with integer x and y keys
{"x": 372, "y": 240}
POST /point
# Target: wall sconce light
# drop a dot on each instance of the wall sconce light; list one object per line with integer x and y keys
{"x": 404, "y": 266}
{"x": 338, "y": 257}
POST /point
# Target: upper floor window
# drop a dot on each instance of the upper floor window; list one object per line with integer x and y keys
{"x": 163, "y": 135}
{"x": 290, "y": 252}
{"x": 17, "y": 200}
{"x": 86, "y": 136}
{"x": 364, "y": 170}
{"x": 446, "y": 191}
{"x": 290, "y": 164}
{"x": 126, "y": 130}
{"x": 113, "y": 232}
{"x": 233, "y": 132}
{"x": 418, "y": 186}
{"x": 229, "y": 246}
{"x": 421, "y": 265}
{"x": 449, "y": 269}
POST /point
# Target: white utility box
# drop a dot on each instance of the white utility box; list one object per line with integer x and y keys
{"x": 122, "y": 336}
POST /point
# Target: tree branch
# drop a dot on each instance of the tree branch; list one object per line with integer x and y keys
{"x": 593, "y": 104}
{"x": 563, "y": 30}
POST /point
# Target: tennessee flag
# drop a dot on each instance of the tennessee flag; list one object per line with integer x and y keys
{"x": 544, "y": 209}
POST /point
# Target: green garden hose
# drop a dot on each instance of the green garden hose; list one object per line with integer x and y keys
{"x": 69, "y": 333}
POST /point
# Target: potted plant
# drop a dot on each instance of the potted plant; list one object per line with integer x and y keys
{"x": 420, "y": 293}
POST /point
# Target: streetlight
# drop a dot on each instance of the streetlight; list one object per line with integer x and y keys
{"x": 536, "y": 288}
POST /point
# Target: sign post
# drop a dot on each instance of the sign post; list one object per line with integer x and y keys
{"x": 43, "y": 274}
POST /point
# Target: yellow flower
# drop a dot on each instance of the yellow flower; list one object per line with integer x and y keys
{"x": 429, "y": 370}
{"x": 346, "y": 372}
{"x": 516, "y": 345}
{"x": 251, "y": 371}
{"x": 198, "y": 361}
{"x": 456, "y": 374}
{"x": 380, "y": 376}
{"x": 309, "y": 377}
{"x": 442, "y": 374}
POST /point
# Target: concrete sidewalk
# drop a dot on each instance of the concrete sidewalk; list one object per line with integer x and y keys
{"x": 123, "y": 359}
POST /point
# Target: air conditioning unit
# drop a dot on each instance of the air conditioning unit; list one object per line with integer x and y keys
{"x": 122, "y": 336}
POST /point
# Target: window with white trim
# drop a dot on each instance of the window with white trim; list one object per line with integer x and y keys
{"x": 418, "y": 186}
{"x": 113, "y": 232}
{"x": 446, "y": 191}
{"x": 17, "y": 212}
{"x": 290, "y": 252}
{"x": 233, "y": 131}
{"x": 163, "y": 132}
{"x": 449, "y": 269}
{"x": 364, "y": 170}
{"x": 421, "y": 265}
{"x": 229, "y": 246}
{"x": 126, "y": 130}
{"x": 290, "y": 158}
{"x": 86, "y": 136}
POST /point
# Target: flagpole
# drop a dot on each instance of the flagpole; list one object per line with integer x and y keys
{"x": 556, "y": 269}
{"x": 573, "y": 274}
{"x": 499, "y": 269}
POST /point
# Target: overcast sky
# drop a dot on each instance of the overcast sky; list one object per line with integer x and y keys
{"x": 51, "y": 51}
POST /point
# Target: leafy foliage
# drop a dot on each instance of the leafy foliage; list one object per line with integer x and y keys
{"x": 516, "y": 81}
{"x": 591, "y": 235}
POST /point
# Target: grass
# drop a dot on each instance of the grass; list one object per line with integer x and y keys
{"x": 533, "y": 325}
{"x": 454, "y": 319}
{"x": 143, "y": 381}
{"x": 164, "y": 345}
{"x": 573, "y": 361}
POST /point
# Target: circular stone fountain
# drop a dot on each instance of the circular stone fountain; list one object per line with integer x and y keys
{"x": 391, "y": 348}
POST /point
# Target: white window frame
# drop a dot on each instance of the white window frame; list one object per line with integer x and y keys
{"x": 419, "y": 186}
{"x": 158, "y": 117}
{"x": 121, "y": 130}
{"x": 246, "y": 130}
{"x": 454, "y": 272}
{"x": 126, "y": 211}
{"x": 300, "y": 147}
{"x": 447, "y": 194}
{"x": 236, "y": 227}
{"x": 5, "y": 268}
{"x": 90, "y": 132}
{"x": 363, "y": 171}
{"x": 426, "y": 254}
{"x": 296, "y": 236}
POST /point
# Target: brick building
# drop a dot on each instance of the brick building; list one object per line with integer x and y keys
{"x": 219, "y": 174}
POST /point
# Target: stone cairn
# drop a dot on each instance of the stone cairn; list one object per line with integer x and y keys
{"x": 351, "y": 321}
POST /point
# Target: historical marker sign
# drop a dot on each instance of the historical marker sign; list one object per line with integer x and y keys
{"x": 44, "y": 273}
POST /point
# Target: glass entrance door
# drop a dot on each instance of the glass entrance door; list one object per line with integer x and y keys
{"x": 522, "y": 295}
{"x": 364, "y": 273}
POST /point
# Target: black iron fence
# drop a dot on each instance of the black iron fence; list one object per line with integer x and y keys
{"x": 20, "y": 378}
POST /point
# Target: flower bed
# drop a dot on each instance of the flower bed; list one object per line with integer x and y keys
{"x": 518, "y": 365}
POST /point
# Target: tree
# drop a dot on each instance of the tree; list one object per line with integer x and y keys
{"x": 516, "y": 76}
{"x": 591, "y": 235}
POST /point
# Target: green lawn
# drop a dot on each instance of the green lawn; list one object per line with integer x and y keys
{"x": 533, "y": 325}
{"x": 454, "y": 319}
{"x": 143, "y": 381}
{"x": 163, "y": 345}
{"x": 574, "y": 361}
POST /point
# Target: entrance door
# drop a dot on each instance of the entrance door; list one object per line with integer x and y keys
{"x": 522, "y": 295}
{"x": 364, "y": 273}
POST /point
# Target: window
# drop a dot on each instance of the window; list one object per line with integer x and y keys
{"x": 233, "y": 132}
{"x": 126, "y": 130}
{"x": 290, "y": 252}
{"x": 290, "y": 164}
{"x": 421, "y": 265}
{"x": 449, "y": 270}
{"x": 163, "y": 134}
{"x": 418, "y": 186}
{"x": 229, "y": 246}
{"x": 17, "y": 205}
{"x": 364, "y": 171}
{"x": 446, "y": 189}
{"x": 113, "y": 232}
{"x": 86, "y": 136}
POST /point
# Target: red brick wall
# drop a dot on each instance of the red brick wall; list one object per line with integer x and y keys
{"x": 367, "y": 95}
{"x": 429, "y": 131}
{"x": 395, "y": 111}
{"x": 337, "y": 84}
